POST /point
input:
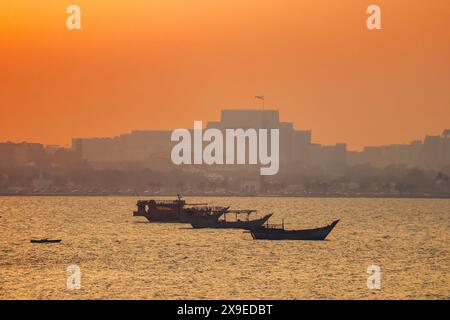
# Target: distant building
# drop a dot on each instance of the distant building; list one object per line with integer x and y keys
{"x": 51, "y": 149}
{"x": 41, "y": 184}
{"x": 433, "y": 152}
{"x": 293, "y": 143}
{"x": 137, "y": 146}
{"x": 436, "y": 150}
{"x": 19, "y": 154}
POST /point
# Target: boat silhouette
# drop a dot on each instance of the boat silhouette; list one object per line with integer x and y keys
{"x": 276, "y": 232}
{"x": 236, "y": 224}
{"x": 176, "y": 211}
{"x": 45, "y": 240}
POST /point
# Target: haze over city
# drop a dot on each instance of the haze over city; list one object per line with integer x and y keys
{"x": 162, "y": 65}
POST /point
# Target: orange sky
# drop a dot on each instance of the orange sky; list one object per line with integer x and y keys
{"x": 161, "y": 64}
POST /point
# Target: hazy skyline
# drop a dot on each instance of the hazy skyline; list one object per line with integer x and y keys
{"x": 163, "y": 64}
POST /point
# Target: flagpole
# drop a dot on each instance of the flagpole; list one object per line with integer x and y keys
{"x": 263, "y": 101}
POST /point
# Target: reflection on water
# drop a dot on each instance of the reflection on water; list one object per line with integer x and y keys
{"x": 121, "y": 256}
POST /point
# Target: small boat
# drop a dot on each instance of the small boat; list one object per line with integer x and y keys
{"x": 45, "y": 240}
{"x": 235, "y": 224}
{"x": 274, "y": 232}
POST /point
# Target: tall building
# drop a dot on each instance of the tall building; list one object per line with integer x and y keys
{"x": 293, "y": 143}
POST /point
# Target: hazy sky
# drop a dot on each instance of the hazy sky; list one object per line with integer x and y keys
{"x": 161, "y": 64}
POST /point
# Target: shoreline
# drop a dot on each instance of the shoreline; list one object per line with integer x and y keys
{"x": 340, "y": 196}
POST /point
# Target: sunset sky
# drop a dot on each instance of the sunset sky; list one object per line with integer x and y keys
{"x": 161, "y": 64}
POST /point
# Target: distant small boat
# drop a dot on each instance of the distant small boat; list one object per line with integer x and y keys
{"x": 45, "y": 240}
{"x": 272, "y": 232}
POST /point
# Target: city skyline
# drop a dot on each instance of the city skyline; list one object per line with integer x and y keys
{"x": 69, "y": 144}
{"x": 142, "y": 162}
{"x": 296, "y": 146}
{"x": 360, "y": 147}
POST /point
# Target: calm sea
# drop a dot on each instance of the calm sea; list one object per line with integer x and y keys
{"x": 121, "y": 256}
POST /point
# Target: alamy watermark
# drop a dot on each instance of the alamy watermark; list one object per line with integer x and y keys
{"x": 374, "y": 280}
{"x": 73, "y": 277}
{"x": 373, "y": 22}
{"x": 73, "y": 21}
{"x": 236, "y": 152}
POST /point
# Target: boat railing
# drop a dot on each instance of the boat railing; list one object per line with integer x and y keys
{"x": 167, "y": 201}
{"x": 274, "y": 226}
{"x": 161, "y": 202}
{"x": 170, "y": 202}
{"x": 206, "y": 209}
{"x": 199, "y": 208}
{"x": 237, "y": 213}
{"x": 242, "y": 211}
{"x": 217, "y": 208}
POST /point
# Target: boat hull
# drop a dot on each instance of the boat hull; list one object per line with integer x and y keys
{"x": 166, "y": 217}
{"x": 280, "y": 234}
{"x": 171, "y": 216}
